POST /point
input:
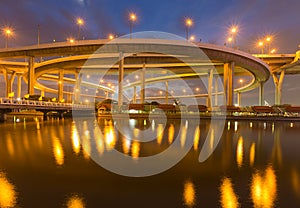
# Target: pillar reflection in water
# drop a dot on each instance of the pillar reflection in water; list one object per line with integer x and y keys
{"x": 159, "y": 133}
{"x": 183, "y": 135}
{"x": 86, "y": 144}
{"x": 75, "y": 202}
{"x": 196, "y": 138}
{"x": 8, "y": 195}
{"x": 110, "y": 137}
{"x": 126, "y": 143}
{"x": 252, "y": 154}
{"x": 295, "y": 181}
{"x": 264, "y": 188}
{"x": 229, "y": 198}
{"x": 240, "y": 152}
{"x": 10, "y": 145}
{"x": 171, "y": 133}
{"x": 189, "y": 194}
{"x": 135, "y": 150}
{"x": 58, "y": 151}
{"x": 75, "y": 139}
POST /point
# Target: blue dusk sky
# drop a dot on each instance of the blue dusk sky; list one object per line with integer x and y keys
{"x": 212, "y": 19}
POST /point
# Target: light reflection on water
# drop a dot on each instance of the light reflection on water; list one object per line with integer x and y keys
{"x": 8, "y": 195}
{"x": 189, "y": 195}
{"x": 261, "y": 165}
{"x": 229, "y": 198}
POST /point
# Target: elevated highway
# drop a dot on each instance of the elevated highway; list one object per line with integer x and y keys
{"x": 64, "y": 63}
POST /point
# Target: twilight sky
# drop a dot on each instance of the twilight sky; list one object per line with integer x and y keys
{"x": 212, "y": 18}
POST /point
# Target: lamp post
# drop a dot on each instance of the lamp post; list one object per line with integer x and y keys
{"x": 230, "y": 41}
{"x": 8, "y": 32}
{"x": 234, "y": 31}
{"x": 268, "y": 39}
{"x": 80, "y": 22}
{"x": 261, "y": 44}
{"x": 132, "y": 19}
{"x": 188, "y": 24}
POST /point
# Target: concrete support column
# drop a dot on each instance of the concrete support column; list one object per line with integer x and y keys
{"x": 106, "y": 94}
{"x": 120, "y": 80}
{"x": 228, "y": 83}
{"x": 143, "y": 72}
{"x": 31, "y": 75}
{"x": 216, "y": 91}
{"x": 278, "y": 86}
{"x": 239, "y": 98}
{"x": 42, "y": 93}
{"x": 9, "y": 82}
{"x": 77, "y": 89}
{"x": 134, "y": 94}
{"x": 60, "y": 85}
{"x": 19, "y": 90}
{"x": 209, "y": 88}
{"x": 167, "y": 92}
{"x": 261, "y": 94}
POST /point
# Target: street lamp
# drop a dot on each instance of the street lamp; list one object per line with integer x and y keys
{"x": 233, "y": 31}
{"x": 192, "y": 38}
{"x": 268, "y": 39}
{"x": 230, "y": 41}
{"x": 111, "y": 36}
{"x": 273, "y": 50}
{"x": 132, "y": 19}
{"x": 188, "y": 23}
{"x": 8, "y": 32}
{"x": 261, "y": 44}
{"x": 80, "y": 22}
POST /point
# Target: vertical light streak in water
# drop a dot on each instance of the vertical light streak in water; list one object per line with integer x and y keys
{"x": 171, "y": 133}
{"x": 189, "y": 194}
{"x": 183, "y": 135}
{"x": 110, "y": 137}
{"x": 196, "y": 138}
{"x": 264, "y": 188}
{"x": 252, "y": 154}
{"x": 295, "y": 181}
{"x": 58, "y": 151}
{"x": 75, "y": 139}
{"x": 135, "y": 150}
{"x": 136, "y": 133}
{"x": 126, "y": 145}
{"x": 212, "y": 139}
{"x": 159, "y": 133}
{"x": 10, "y": 145}
{"x": 8, "y": 195}
{"x": 75, "y": 202}
{"x": 229, "y": 198}
{"x": 240, "y": 152}
{"x": 235, "y": 126}
{"x": 86, "y": 144}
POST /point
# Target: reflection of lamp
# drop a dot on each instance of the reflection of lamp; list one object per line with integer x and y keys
{"x": 228, "y": 196}
{"x": 189, "y": 194}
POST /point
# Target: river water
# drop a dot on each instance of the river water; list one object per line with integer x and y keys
{"x": 48, "y": 164}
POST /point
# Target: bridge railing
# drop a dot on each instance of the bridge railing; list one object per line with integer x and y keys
{"x": 34, "y": 103}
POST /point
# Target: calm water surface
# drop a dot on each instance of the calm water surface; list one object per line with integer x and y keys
{"x": 256, "y": 164}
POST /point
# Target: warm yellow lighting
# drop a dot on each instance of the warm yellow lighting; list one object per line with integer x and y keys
{"x": 58, "y": 151}
{"x": 192, "y": 38}
{"x": 268, "y": 38}
{"x": 240, "y": 152}
{"x": 252, "y": 154}
{"x": 110, "y": 137}
{"x": 160, "y": 92}
{"x": 234, "y": 29}
{"x": 229, "y": 39}
{"x": 188, "y": 22}
{"x": 241, "y": 81}
{"x": 71, "y": 40}
{"x": 264, "y": 188}
{"x": 132, "y": 17}
{"x": 183, "y": 136}
{"x": 126, "y": 145}
{"x": 110, "y": 37}
{"x": 189, "y": 194}
{"x": 197, "y": 89}
{"x": 135, "y": 150}
{"x": 8, "y": 195}
{"x": 196, "y": 138}
{"x": 8, "y": 31}
{"x": 273, "y": 51}
{"x": 171, "y": 133}
{"x": 80, "y": 21}
{"x": 229, "y": 199}
{"x": 75, "y": 139}
{"x": 75, "y": 202}
{"x": 260, "y": 43}
{"x": 159, "y": 133}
